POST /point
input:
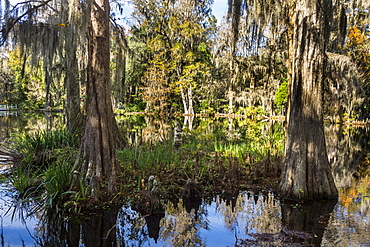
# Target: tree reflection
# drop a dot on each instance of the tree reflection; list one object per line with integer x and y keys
{"x": 346, "y": 150}
{"x": 28, "y": 122}
{"x": 152, "y": 222}
{"x": 350, "y": 226}
{"x": 302, "y": 224}
{"x": 306, "y": 222}
{"x": 180, "y": 227}
{"x": 156, "y": 129}
{"x": 251, "y": 212}
{"x": 98, "y": 230}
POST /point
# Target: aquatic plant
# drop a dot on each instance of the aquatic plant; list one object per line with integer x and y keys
{"x": 23, "y": 182}
{"x": 149, "y": 157}
{"x": 40, "y": 149}
{"x": 214, "y": 156}
{"x": 44, "y": 173}
{"x": 56, "y": 180}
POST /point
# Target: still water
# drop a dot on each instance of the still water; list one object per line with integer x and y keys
{"x": 247, "y": 219}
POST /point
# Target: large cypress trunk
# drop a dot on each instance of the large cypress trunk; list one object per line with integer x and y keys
{"x": 98, "y": 143}
{"x": 307, "y": 173}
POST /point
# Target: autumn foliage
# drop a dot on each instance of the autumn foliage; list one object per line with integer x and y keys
{"x": 358, "y": 47}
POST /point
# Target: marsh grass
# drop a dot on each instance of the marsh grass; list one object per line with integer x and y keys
{"x": 149, "y": 157}
{"x": 23, "y": 182}
{"x": 57, "y": 180}
{"x": 44, "y": 173}
{"x": 37, "y": 149}
{"x": 215, "y": 159}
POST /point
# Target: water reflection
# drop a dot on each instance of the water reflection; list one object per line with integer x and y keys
{"x": 28, "y": 122}
{"x": 309, "y": 219}
{"x": 243, "y": 219}
{"x": 346, "y": 151}
{"x": 15, "y": 231}
{"x": 98, "y": 230}
{"x": 214, "y": 222}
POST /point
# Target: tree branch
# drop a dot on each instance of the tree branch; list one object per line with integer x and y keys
{"x": 12, "y": 21}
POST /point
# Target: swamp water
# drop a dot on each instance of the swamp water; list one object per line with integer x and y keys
{"x": 245, "y": 219}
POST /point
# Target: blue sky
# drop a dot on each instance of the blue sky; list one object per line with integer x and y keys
{"x": 219, "y": 9}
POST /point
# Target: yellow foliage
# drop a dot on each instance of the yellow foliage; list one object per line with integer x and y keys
{"x": 358, "y": 47}
{"x": 349, "y": 196}
{"x": 355, "y": 38}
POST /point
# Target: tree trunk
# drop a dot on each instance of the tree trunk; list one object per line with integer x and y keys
{"x": 98, "y": 143}
{"x": 190, "y": 100}
{"x": 120, "y": 71}
{"x": 48, "y": 81}
{"x": 184, "y": 102}
{"x": 187, "y": 100}
{"x": 230, "y": 96}
{"x": 307, "y": 173}
{"x": 74, "y": 117}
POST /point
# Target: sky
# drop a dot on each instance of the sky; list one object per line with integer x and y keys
{"x": 219, "y": 9}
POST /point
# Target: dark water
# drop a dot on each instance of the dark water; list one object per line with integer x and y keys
{"x": 246, "y": 219}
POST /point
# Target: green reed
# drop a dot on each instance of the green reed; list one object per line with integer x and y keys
{"x": 39, "y": 149}
{"x": 45, "y": 171}
{"x": 149, "y": 157}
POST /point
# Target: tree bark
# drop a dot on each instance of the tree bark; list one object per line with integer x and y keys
{"x": 184, "y": 102}
{"x": 187, "y": 100}
{"x": 98, "y": 144}
{"x": 307, "y": 173}
{"x": 74, "y": 117}
{"x": 48, "y": 81}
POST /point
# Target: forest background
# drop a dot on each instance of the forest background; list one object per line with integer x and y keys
{"x": 174, "y": 57}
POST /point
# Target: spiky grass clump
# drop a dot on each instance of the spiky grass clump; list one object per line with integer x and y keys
{"x": 41, "y": 148}
{"x": 56, "y": 181}
{"x": 149, "y": 158}
{"x": 44, "y": 173}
